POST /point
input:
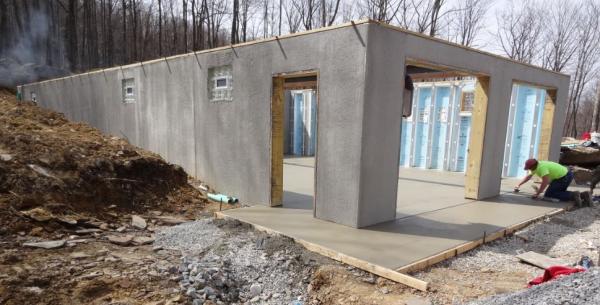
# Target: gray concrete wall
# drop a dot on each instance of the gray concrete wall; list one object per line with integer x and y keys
{"x": 382, "y": 120}
{"x": 391, "y": 45}
{"x": 227, "y": 144}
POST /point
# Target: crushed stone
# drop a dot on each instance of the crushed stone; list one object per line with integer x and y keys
{"x": 579, "y": 288}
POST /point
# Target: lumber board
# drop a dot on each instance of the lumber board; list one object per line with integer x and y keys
{"x": 341, "y": 257}
{"x": 277, "y": 108}
{"x": 452, "y": 252}
{"x": 477, "y": 137}
{"x": 540, "y": 260}
{"x": 547, "y": 123}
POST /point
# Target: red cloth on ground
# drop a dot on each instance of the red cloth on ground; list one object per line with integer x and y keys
{"x": 553, "y": 272}
{"x": 586, "y": 136}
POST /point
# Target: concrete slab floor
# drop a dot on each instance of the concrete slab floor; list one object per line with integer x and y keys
{"x": 432, "y": 217}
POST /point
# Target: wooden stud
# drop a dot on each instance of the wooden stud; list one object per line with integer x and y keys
{"x": 277, "y": 101}
{"x": 547, "y": 122}
{"x": 346, "y": 259}
{"x": 477, "y": 137}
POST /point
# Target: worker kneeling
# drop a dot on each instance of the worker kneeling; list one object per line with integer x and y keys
{"x": 555, "y": 180}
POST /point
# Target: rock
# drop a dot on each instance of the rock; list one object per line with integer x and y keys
{"x": 52, "y": 244}
{"x": 87, "y": 231}
{"x": 120, "y": 240}
{"x": 121, "y": 229}
{"x": 138, "y": 222}
{"x": 66, "y": 220}
{"x": 34, "y": 290}
{"x": 255, "y": 290}
{"x": 42, "y": 171}
{"x": 171, "y": 220}
{"x": 369, "y": 279}
{"x": 39, "y": 214}
{"x": 79, "y": 255}
{"x": 104, "y": 227}
{"x": 413, "y": 300}
{"x": 143, "y": 240}
{"x": 384, "y": 290}
{"x": 580, "y": 155}
{"x": 6, "y": 157}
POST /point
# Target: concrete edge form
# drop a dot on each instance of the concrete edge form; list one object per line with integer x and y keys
{"x": 450, "y": 253}
{"x": 387, "y": 273}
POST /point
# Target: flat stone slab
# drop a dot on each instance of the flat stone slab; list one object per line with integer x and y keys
{"x": 52, "y": 244}
{"x": 124, "y": 240}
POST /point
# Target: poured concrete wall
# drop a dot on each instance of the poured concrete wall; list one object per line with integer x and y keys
{"x": 227, "y": 144}
{"x": 360, "y": 71}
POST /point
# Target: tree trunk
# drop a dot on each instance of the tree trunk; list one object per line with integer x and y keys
{"x": 71, "y": 34}
{"x": 160, "y": 28}
{"x": 124, "y": 45}
{"x": 185, "y": 26}
{"x": 595, "y": 117}
{"x": 234, "y": 21}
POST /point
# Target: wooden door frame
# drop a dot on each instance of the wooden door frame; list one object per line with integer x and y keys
{"x": 277, "y": 132}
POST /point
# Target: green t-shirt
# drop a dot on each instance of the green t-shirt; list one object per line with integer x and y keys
{"x": 552, "y": 169}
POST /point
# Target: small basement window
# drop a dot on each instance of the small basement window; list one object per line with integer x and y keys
{"x": 128, "y": 86}
{"x": 220, "y": 84}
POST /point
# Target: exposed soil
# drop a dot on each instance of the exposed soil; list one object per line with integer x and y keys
{"x": 71, "y": 170}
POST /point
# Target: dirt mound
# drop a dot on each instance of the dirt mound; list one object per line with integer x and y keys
{"x": 71, "y": 168}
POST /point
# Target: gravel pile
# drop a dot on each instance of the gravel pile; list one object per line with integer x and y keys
{"x": 190, "y": 237}
{"x": 580, "y": 289}
{"x": 228, "y": 264}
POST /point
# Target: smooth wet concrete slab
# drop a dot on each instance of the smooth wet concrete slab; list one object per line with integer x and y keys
{"x": 432, "y": 217}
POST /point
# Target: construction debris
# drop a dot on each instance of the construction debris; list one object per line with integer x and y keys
{"x": 540, "y": 260}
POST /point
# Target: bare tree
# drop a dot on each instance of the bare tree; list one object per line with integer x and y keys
{"x": 519, "y": 30}
{"x": 466, "y": 21}
{"x": 559, "y": 42}
{"x": 587, "y": 59}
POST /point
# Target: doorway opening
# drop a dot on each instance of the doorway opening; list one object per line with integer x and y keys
{"x": 294, "y": 111}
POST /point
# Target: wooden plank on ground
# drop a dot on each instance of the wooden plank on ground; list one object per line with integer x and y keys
{"x": 540, "y": 260}
{"x": 346, "y": 259}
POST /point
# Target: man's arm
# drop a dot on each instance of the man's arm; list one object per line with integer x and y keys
{"x": 523, "y": 181}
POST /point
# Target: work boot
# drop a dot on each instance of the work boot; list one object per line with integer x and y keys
{"x": 586, "y": 198}
{"x": 577, "y": 199}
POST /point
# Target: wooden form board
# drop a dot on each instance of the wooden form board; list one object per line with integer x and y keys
{"x": 547, "y": 123}
{"x": 540, "y": 260}
{"x": 442, "y": 256}
{"x": 476, "y": 139}
{"x": 346, "y": 259}
{"x": 277, "y": 101}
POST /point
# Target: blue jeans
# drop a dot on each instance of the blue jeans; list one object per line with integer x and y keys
{"x": 558, "y": 188}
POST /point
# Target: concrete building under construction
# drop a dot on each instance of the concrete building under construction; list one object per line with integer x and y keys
{"x": 361, "y": 125}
